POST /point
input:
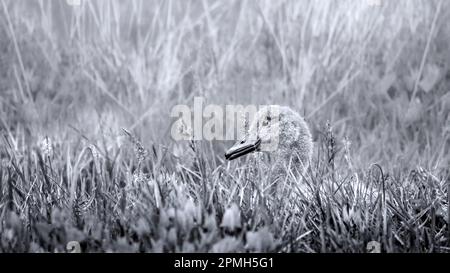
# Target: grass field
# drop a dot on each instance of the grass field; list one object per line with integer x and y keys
{"x": 372, "y": 79}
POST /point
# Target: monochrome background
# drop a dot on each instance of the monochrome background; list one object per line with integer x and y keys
{"x": 86, "y": 91}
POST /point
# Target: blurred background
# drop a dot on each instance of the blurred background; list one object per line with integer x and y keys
{"x": 377, "y": 70}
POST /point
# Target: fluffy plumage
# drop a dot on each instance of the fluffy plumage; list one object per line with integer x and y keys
{"x": 281, "y": 132}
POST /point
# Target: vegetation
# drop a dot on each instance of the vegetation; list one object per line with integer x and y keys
{"x": 371, "y": 78}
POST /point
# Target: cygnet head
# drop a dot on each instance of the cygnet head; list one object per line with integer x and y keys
{"x": 280, "y": 131}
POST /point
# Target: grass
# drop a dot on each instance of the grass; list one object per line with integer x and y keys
{"x": 372, "y": 81}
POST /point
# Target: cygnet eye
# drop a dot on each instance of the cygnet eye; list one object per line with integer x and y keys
{"x": 266, "y": 121}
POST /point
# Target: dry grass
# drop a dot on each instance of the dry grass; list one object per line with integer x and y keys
{"x": 72, "y": 77}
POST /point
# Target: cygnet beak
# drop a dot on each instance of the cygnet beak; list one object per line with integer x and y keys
{"x": 242, "y": 148}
